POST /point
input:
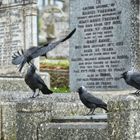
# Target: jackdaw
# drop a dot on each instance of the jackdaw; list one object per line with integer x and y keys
{"x": 91, "y": 101}
{"x": 20, "y": 58}
{"x": 133, "y": 79}
{"x": 34, "y": 81}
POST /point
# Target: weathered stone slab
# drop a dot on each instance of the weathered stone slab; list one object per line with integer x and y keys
{"x": 27, "y": 124}
{"x": 124, "y": 118}
{"x": 73, "y": 131}
{"x": 87, "y": 118}
{"x": 18, "y": 83}
{"x": 31, "y": 117}
{"x": 32, "y": 112}
{"x": 8, "y": 120}
{"x": 105, "y": 44}
{"x": 0, "y": 122}
{"x": 18, "y": 30}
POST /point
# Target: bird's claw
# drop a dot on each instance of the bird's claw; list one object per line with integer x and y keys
{"x": 137, "y": 93}
{"x": 32, "y": 97}
{"x": 37, "y": 95}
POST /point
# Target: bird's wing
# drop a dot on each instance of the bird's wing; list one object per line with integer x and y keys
{"x": 39, "y": 79}
{"x": 38, "y": 51}
{"x": 49, "y": 46}
{"x": 135, "y": 80}
{"x": 17, "y": 57}
{"x": 26, "y": 55}
{"x": 31, "y": 50}
{"x": 92, "y": 99}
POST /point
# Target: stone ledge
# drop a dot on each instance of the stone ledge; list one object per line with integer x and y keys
{"x": 124, "y": 103}
{"x": 90, "y": 118}
{"x": 73, "y": 131}
{"x": 18, "y": 83}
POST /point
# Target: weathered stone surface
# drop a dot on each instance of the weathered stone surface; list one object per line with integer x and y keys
{"x": 106, "y": 43}
{"x": 67, "y": 109}
{"x": 77, "y": 118}
{"x": 30, "y": 113}
{"x": 18, "y": 83}
{"x": 124, "y": 118}
{"x": 27, "y": 124}
{"x": 0, "y": 122}
{"x": 8, "y": 120}
{"x": 24, "y": 118}
{"x": 72, "y": 131}
{"x": 18, "y": 30}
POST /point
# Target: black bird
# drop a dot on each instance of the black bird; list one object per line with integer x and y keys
{"x": 91, "y": 101}
{"x": 34, "y": 81}
{"x": 33, "y": 52}
{"x": 133, "y": 79}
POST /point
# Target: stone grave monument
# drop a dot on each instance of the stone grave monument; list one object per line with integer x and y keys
{"x": 18, "y": 30}
{"x": 105, "y": 44}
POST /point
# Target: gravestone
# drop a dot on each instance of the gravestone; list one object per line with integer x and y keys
{"x": 18, "y": 30}
{"x": 105, "y": 43}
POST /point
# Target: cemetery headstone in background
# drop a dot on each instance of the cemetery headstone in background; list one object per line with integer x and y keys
{"x": 18, "y": 30}
{"x": 105, "y": 43}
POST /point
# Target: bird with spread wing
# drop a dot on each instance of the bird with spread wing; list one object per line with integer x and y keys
{"x": 20, "y": 58}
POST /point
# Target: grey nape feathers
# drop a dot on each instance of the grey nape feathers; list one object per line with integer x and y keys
{"x": 133, "y": 79}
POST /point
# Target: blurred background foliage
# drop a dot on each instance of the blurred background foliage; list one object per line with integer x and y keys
{"x": 53, "y": 23}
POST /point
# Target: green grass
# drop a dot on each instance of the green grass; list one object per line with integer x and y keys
{"x": 54, "y": 63}
{"x": 60, "y": 90}
{"x": 59, "y": 81}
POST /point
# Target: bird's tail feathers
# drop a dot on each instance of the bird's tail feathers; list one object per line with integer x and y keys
{"x": 105, "y": 107}
{"x": 18, "y": 57}
{"x": 62, "y": 40}
{"x": 45, "y": 90}
{"x": 69, "y": 35}
{"x": 22, "y": 64}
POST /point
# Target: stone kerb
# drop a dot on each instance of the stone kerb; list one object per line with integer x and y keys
{"x": 73, "y": 131}
{"x": 32, "y": 113}
{"x": 24, "y": 118}
{"x": 29, "y": 114}
{"x": 18, "y": 83}
{"x": 124, "y": 118}
{"x": 8, "y": 112}
{"x": 7, "y": 120}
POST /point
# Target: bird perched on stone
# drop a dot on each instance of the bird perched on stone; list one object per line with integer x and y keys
{"x": 34, "y": 81}
{"x": 34, "y": 52}
{"x": 133, "y": 79}
{"x": 90, "y": 101}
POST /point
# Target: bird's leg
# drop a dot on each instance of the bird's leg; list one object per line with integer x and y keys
{"x": 33, "y": 96}
{"x": 137, "y": 93}
{"x": 92, "y": 113}
{"x": 89, "y": 112}
{"x": 37, "y": 94}
{"x": 31, "y": 63}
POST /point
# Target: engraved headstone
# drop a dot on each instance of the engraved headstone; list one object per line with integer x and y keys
{"x": 105, "y": 43}
{"x": 18, "y": 30}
